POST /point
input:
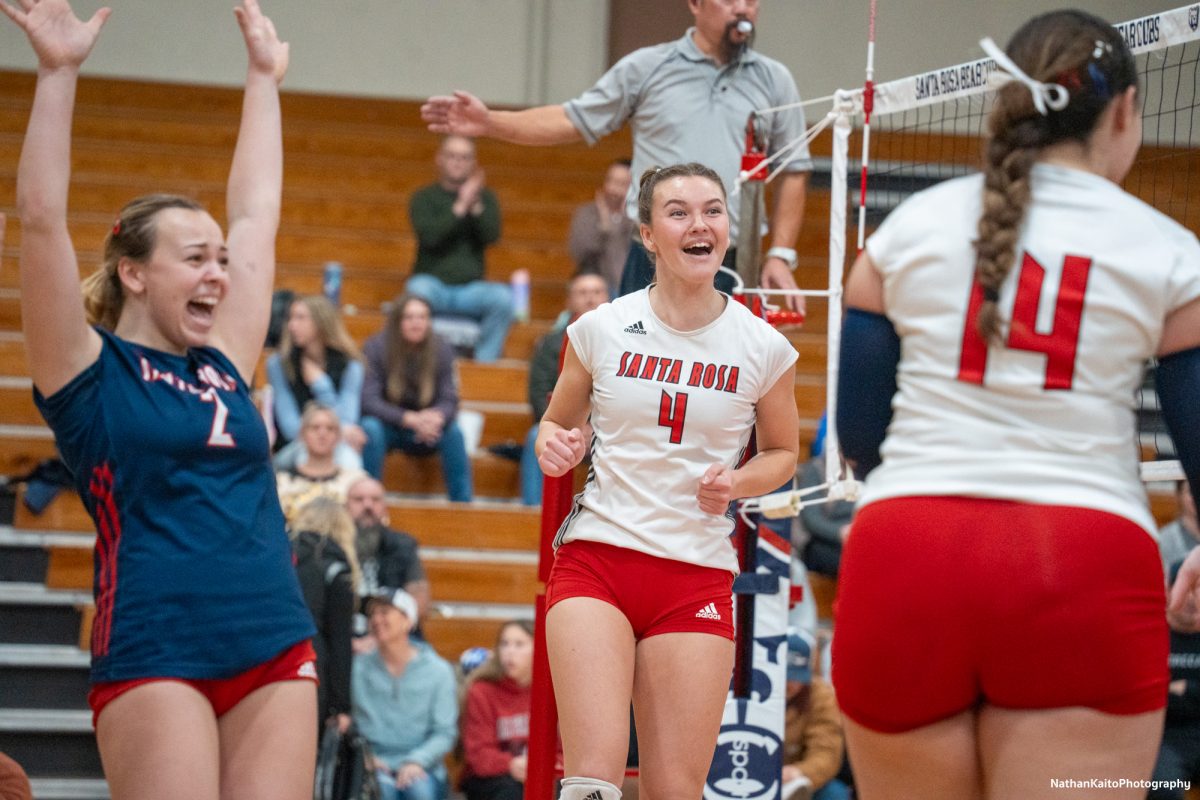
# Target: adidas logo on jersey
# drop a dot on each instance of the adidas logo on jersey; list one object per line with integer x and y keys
{"x": 594, "y": 796}
{"x": 638, "y": 328}
{"x": 307, "y": 670}
{"x": 709, "y": 612}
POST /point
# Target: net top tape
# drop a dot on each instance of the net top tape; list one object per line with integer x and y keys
{"x": 1144, "y": 35}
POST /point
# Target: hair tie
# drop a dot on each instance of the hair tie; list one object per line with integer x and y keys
{"x": 1047, "y": 97}
{"x": 1099, "y": 82}
{"x": 991, "y": 295}
{"x": 116, "y": 228}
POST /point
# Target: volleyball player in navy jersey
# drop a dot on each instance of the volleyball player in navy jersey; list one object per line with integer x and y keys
{"x": 202, "y": 674}
{"x": 1001, "y": 627}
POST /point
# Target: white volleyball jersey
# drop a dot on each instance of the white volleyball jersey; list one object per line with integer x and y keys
{"x": 1049, "y": 416}
{"x": 666, "y": 405}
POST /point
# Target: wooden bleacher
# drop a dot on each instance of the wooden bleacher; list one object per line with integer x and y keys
{"x": 351, "y": 165}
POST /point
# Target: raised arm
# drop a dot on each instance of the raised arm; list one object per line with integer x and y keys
{"x": 253, "y": 195}
{"x": 58, "y": 340}
{"x": 464, "y": 114}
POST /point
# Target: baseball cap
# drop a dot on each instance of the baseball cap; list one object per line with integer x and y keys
{"x": 799, "y": 655}
{"x": 398, "y": 598}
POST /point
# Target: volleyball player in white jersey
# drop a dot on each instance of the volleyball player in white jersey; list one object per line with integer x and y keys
{"x": 1001, "y": 611}
{"x": 675, "y": 377}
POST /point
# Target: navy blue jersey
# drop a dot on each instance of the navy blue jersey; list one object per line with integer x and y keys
{"x": 193, "y": 571}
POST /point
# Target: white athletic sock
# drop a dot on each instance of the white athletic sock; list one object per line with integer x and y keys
{"x": 588, "y": 789}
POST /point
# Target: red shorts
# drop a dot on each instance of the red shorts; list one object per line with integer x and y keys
{"x": 656, "y": 595}
{"x": 945, "y": 603}
{"x": 297, "y": 662}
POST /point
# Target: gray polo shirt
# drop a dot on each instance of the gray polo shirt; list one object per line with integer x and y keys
{"x": 683, "y": 106}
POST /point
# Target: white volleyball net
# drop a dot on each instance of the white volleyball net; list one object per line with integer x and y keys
{"x": 923, "y": 129}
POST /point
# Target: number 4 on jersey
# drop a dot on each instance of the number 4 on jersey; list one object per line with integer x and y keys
{"x": 1059, "y": 345}
{"x": 671, "y": 413}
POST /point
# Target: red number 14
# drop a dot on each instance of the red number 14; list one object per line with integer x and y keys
{"x": 1059, "y": 345}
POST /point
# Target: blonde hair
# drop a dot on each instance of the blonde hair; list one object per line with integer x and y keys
{"x": 330, "y": 330}
{"x": 1089, "y": 58}
{"x": 328, "y": 518}
{"x": 133, "y": 236}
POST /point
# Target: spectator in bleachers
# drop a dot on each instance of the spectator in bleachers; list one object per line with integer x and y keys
{"x": 410, "y": 396}
{"x": 495, "y": 722}
{"x": 1177, "y": 538}
{"x": 813, "y": 743}
{"x": 601, "y": 230}
{"x": 404, "y": 702}
{"x": 316, "y": 360}
{"x": 1179, "y": 753}
{"x": 454, "y": 220}
{"x": 387, "y": 558}
{"x": 323, "y": 550}
{"x": 319, "y": 475}
{"x": 585, "y": 292}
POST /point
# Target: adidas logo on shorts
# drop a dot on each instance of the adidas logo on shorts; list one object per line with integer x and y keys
{"x": 709, "y": 612}
{"x": 639, "y": 329}
{"x": 307, "y": 670}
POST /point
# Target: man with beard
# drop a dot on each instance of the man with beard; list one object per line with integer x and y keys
{"x": 686, "y": 100}
{"x": 388, "y": 558}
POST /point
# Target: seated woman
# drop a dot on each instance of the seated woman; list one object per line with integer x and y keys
{"x": 316, "y": 360}
{"x": 319, "y": 475}
{"x": 495, "y": 717}
{"x": 410, "y": 396}
{"x": 322, "y": 535}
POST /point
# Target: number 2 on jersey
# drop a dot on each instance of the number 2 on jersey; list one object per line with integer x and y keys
{"x": 671, "y": 412}
{"x": 218, "y": 436}
{"x": 1059, "y": 345}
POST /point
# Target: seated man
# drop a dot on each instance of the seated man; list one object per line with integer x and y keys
{"x": 813, "y": 742}
{"x": 601, "y": 231}
{"x": 404, "y": 701}
{"x": 454, "y": 220}
{"x": 387, "y": 558}
{"x": 585, "y": 292}
{"x": 1177, "y": 538}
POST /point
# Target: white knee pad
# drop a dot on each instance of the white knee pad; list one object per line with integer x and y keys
{"x": 588, "y": 789}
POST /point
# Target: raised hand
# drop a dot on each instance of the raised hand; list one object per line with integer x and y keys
{"x": 267, "y": 54}
{"x": 59, "y": 38}
{"x": 460, "y": 114}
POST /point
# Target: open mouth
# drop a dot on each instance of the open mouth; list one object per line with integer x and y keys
{"x": 698, "y": 249}
{"x": 202, "y": 308}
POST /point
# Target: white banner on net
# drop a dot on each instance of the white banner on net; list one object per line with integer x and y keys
{"x": 1143, "y": 35}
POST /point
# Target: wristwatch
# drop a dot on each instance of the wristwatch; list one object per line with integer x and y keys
{"x": 785, "y": 254}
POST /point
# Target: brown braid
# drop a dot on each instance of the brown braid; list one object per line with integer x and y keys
{"x": 1059, "y": 47}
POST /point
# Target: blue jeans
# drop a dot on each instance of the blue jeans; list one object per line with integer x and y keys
{"x": 531, "y": 473}
{"x": 456, "y": 465}
{"x": 490, "y": 303}
{"x": 428, "y": 788}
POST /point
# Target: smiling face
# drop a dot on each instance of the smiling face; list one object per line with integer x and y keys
{"x": 184, "y": 279}
{"x": 387, "y": 623}
{"x": 688, "y": 231}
